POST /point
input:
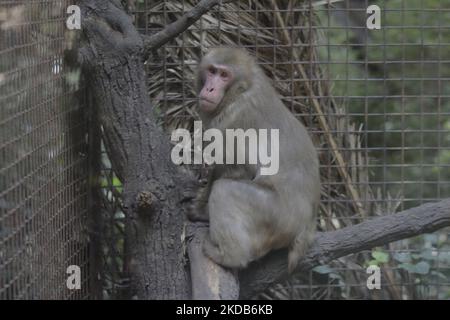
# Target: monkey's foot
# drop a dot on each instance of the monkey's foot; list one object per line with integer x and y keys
{"x": 198, "y": 213}
{"x": 195, "y": 216}
{"x": 212, "y": 251}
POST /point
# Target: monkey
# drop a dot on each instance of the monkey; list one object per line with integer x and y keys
{"x": 251, "y": 214}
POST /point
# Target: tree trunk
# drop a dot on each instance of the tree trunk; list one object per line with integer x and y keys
{"x": 153, "y": 188}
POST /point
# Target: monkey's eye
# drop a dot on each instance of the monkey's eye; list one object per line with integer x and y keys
{"x": 212, "y": 70}
{"x": 224, "y": 74}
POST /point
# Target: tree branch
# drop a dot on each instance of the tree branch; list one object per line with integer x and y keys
{"x": 328, "y": 246}
{"x": 174, "y": 29}
{"x": 209, "y": 281}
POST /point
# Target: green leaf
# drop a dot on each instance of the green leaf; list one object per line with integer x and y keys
{"x": 373, "y": 263}
{"x": 444, "y": 257}
{"x": 407, "y": 266}
{"x": 117, "y": 182}
{"x": 431, "y": 238}
{"x": 420, "y": 268}
{"x": 427, "y": 254}
{"x": 403, "y": 257}
{"x": 439, "y": 275}
{"x": 380, "y": 256}
{"x": 103, "y": 182}
{"x": 323, "y": 269}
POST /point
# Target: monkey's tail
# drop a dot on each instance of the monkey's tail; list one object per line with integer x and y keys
{"x": 298, "y": 248}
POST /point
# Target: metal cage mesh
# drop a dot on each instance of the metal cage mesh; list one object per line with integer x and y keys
{"x": 43, "y": 154}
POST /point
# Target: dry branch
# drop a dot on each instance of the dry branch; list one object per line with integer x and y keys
{"x": 210, "y": 281}
{"x": 174, "y": 29}
{"x": 331, "y": 245}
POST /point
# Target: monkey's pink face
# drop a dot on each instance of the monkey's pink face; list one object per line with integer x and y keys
{"x": 217, "y": 80}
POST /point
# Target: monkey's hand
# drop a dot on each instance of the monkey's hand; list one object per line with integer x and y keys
{"x": 198, "y": 211}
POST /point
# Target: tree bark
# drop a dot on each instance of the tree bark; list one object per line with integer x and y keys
{"x": 210, "y": 281}
{"x": 153, "y": 188}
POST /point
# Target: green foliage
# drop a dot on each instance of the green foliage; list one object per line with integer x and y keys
{"x": 379, "y": 257}
{"x": 421, "y": 267}
{"x": 397, "y": 85}
{"x": 334, "y": 277}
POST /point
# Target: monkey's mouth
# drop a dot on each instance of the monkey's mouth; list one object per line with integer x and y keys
{"x": 207, "y": 105}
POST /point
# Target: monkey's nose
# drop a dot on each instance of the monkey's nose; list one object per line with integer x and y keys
{"x": 210, "y": 89}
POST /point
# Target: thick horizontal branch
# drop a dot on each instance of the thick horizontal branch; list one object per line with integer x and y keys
{"x": 174, "y": 29}
{"x": 332, "y": 245}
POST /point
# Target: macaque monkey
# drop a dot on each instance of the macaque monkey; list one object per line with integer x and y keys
{"x": 249, "y": 213}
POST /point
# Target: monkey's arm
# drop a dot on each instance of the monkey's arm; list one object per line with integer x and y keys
{"x": 199, "y": 209}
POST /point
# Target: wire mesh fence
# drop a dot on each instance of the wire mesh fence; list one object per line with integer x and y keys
{"x": 43, "y": 147}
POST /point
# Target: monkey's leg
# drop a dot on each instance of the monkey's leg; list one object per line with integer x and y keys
{"x": 237, "y": 210}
